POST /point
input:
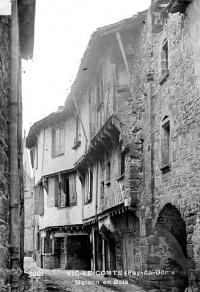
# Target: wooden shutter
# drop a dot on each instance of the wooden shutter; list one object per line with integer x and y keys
{"x": 39, "y": 200}
{"x": 56, "y": 191}
{"x": 72, "y": 191}
{"x": 66, "y": 191}
{"x": 62, "y": 140}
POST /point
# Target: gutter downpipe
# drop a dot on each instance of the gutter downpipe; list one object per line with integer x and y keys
{"x": 14, "y": 204}
{"x": 86, "y": 140}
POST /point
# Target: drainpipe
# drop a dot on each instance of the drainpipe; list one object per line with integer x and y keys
{"x": 86, "y": 140}
{"x": 13, "y": 144}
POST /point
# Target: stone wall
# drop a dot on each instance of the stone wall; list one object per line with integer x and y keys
{"x": 176, "y": 98}
{"x": 4, "y": 151}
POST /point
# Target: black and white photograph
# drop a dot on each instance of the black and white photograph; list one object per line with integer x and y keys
{"x": 100, "y": 145}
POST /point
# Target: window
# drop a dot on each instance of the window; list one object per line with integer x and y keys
{"x": 108, "y": 172}
{"x": 62, "y": 191}
{"x": 102, "y": 190}
{"x": 108, "y": 169}
{"x": 53, "y": 192}
{"x": 64, "y": 194}
{"x": 88, "y": 187}
{"x": 72, "y": 191}
{"x": 58, "y": 137}
{"x": 122, "y": 168}
{"x": 68, "y": 196}
{"x": 165, "y": 144}
{"x": 164, "y": 65}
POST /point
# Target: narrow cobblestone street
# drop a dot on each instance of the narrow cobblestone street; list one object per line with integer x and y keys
{"x": 62, "y": 280}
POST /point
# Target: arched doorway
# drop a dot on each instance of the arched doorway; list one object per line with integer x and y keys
{"x": 170, "y": 229}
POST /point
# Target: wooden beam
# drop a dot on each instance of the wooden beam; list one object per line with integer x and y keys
{"x": 103, "y": 143}
{"x": 108, "y": 134}
{"x": 86, "y": 139}
{"x": 118, "y": 37}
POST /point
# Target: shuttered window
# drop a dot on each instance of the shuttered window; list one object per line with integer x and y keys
{"x": 58, "y": 141}
{"x": 62, "y": 192}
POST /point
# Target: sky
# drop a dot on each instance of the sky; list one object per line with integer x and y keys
{"x": 62, "y": 31}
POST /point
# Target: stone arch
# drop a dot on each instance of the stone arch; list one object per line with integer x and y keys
{"x": 172, "y": 200}
{"x": 170, "y": 228}
{"x": 170, "y": 218}
{"x": 167, "y": 247}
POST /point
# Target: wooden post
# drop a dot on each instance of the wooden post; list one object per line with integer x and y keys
{"x": 118, "y": 37}
{"x": 103, "y": 255}
{"x": 94, "y": 250}
{"x": 80, "y": 121}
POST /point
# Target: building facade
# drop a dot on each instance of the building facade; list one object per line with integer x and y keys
{"x": 60, "y": 240}
{"x": 130, "y": 138}
{"x": 17, "y": 36}
{"x": 28, "y": 203}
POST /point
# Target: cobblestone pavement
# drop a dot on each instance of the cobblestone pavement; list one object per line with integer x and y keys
{"x": 61, "y": 280}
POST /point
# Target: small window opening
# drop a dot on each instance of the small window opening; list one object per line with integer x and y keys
{"x": 165, "y": 145}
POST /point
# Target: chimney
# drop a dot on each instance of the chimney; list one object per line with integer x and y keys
{"x": 60, "y": 108}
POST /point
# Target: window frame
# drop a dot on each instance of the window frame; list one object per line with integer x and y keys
{"x": 165, "y": 140}
{"x": 108, "y": 169}
{"x": 59, "y": 190}
{"x": 61, "y": 147}
{"x": 164, "y": 62}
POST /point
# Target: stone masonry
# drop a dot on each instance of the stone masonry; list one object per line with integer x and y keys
{"x": 173, "y": 190}
{"x": 147, "y": 219}
{"x": 4, "y": 154}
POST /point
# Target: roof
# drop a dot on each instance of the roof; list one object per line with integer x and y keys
{"x": 49, "y": 121}
{"x": 26, "y": 11}
{"x": 99, "y": 42}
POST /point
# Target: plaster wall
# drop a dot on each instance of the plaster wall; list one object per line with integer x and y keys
{"x": 54, "y": 216}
